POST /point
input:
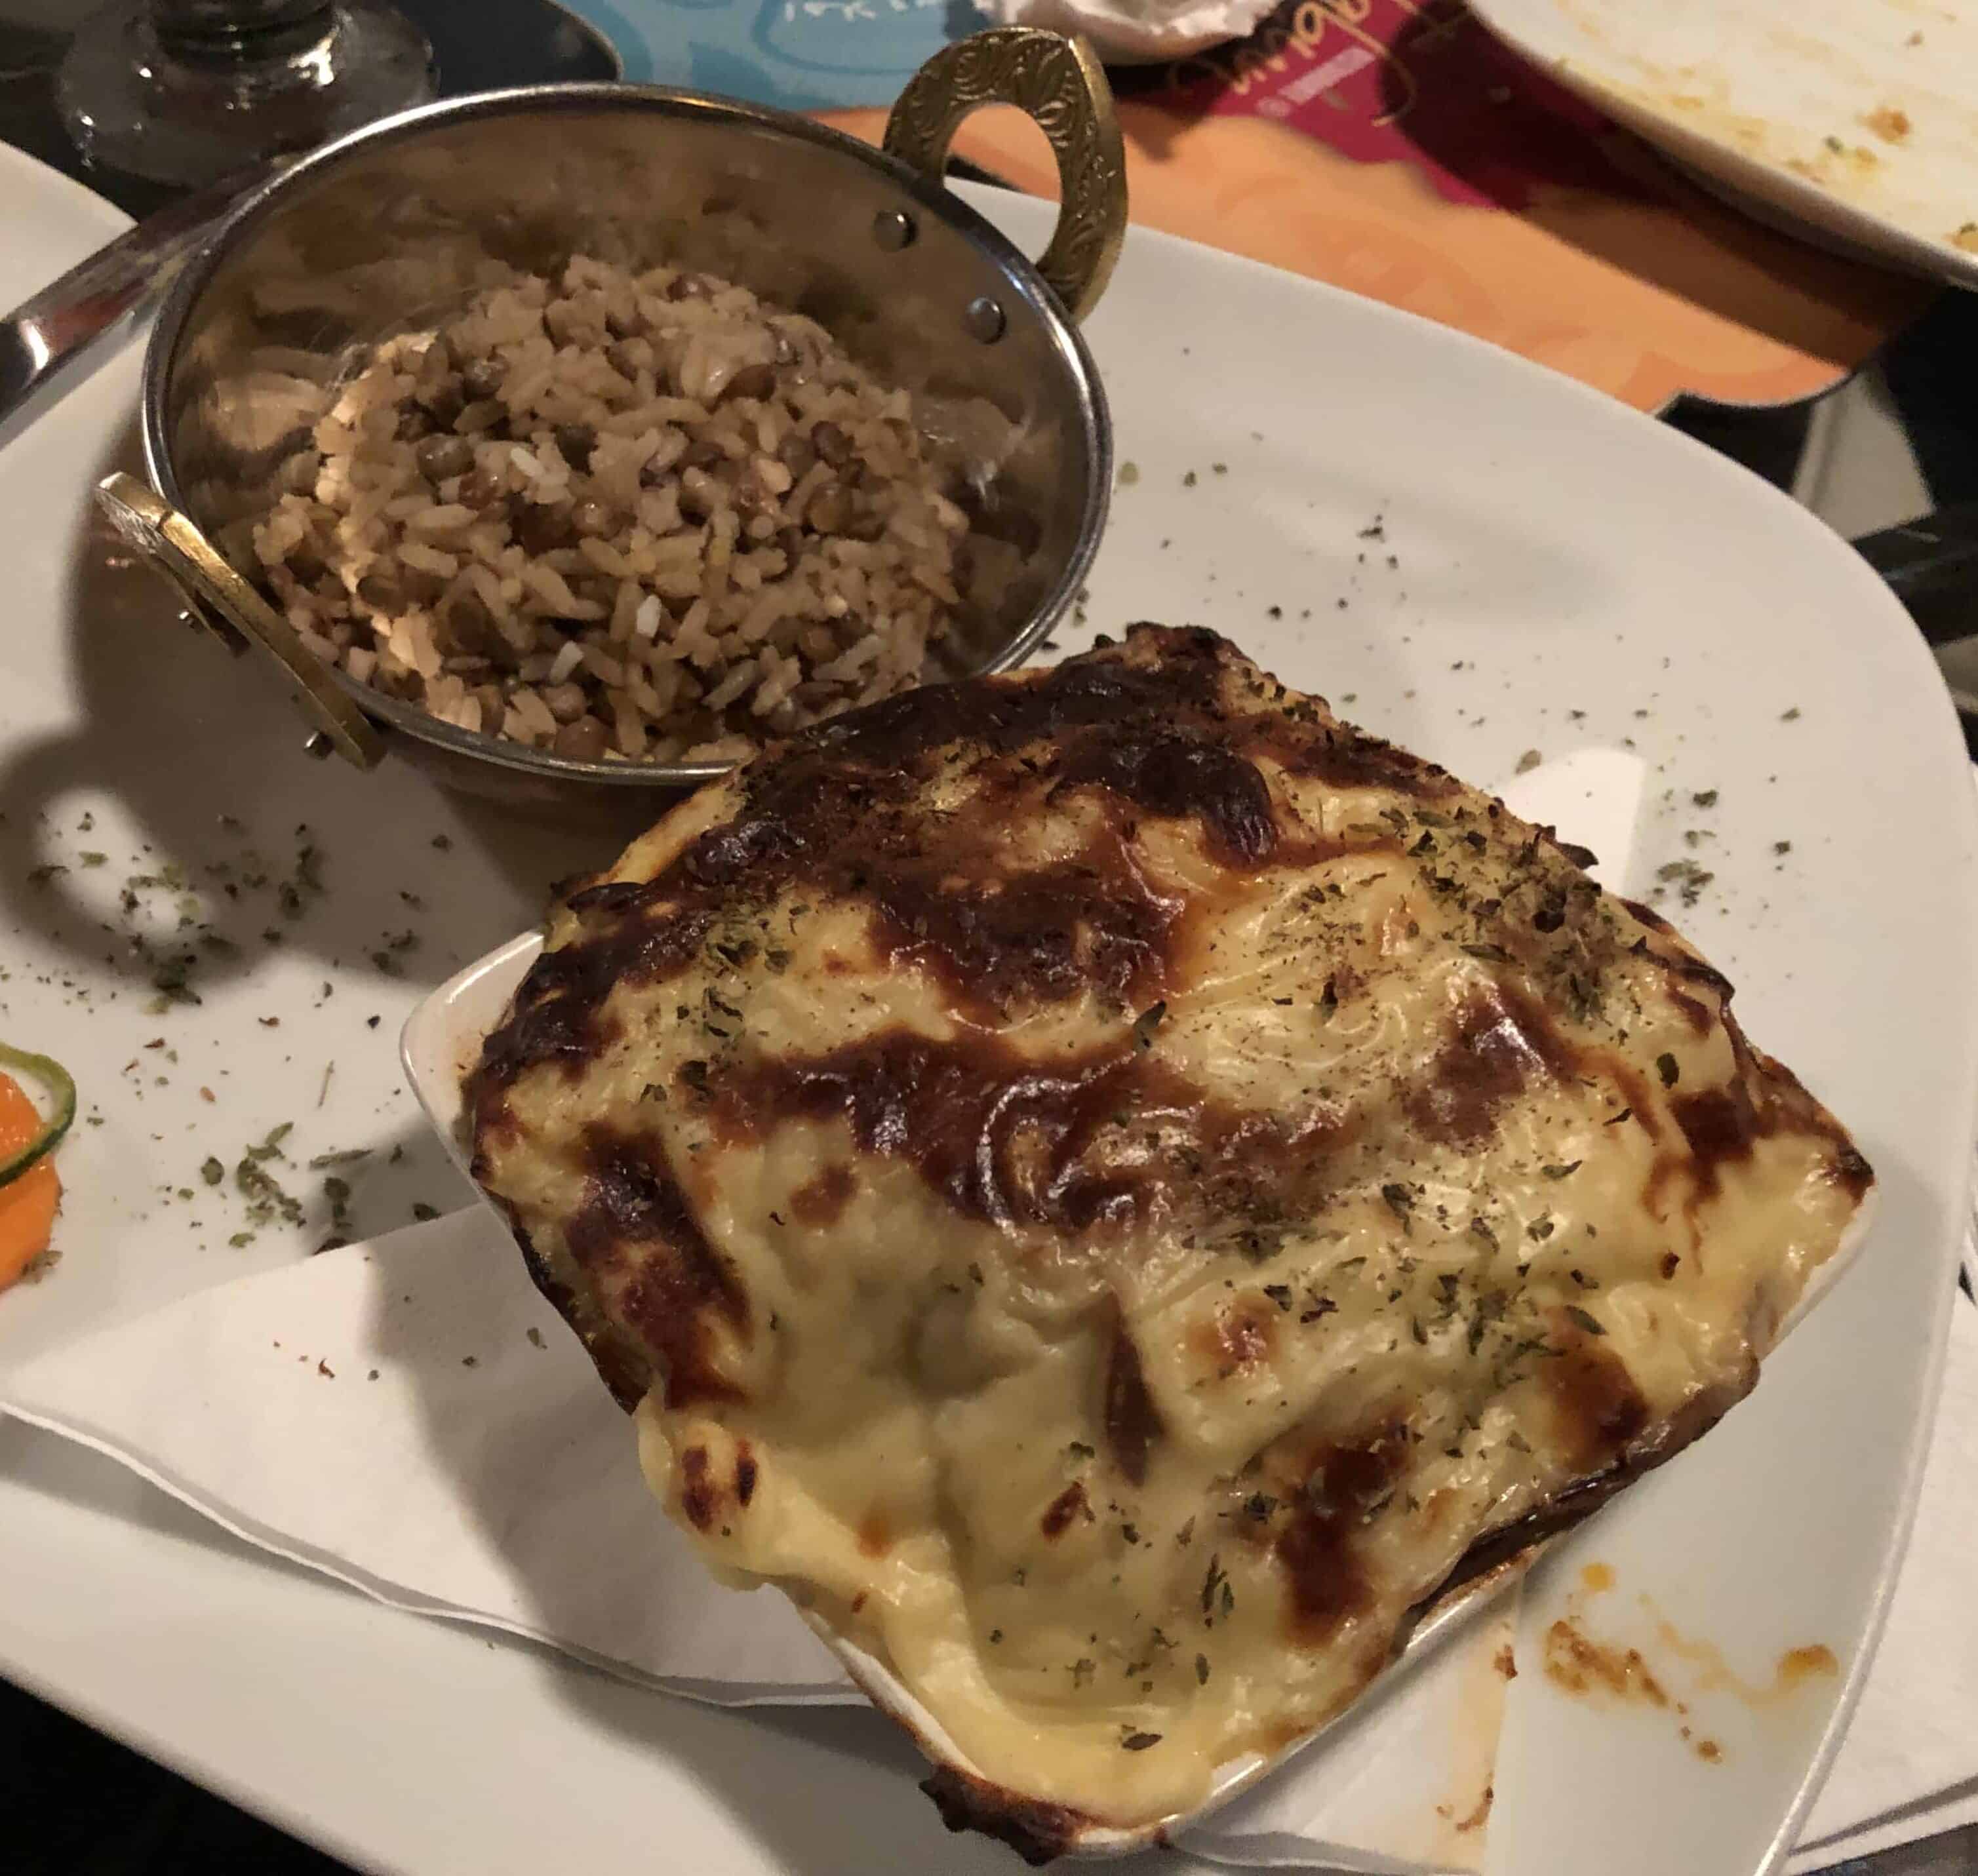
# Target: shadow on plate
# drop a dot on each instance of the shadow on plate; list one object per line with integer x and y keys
{"x": 202, "y": 752}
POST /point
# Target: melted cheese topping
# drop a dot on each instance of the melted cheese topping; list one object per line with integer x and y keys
{"x": 1109, "y": 1186}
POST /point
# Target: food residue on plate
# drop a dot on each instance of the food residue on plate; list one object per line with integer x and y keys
{"x": 1889, "y": 123}
{"x": 1579, "y": 1663}
{"x": 1794, "y": 1668}
{"x": 1574, "y": 1661}
{"x": 1486, "y": 1670}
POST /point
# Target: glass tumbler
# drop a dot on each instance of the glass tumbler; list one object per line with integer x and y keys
{"x": 185, "y": 91}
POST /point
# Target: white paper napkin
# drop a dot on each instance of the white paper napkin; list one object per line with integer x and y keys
{"x": 410, "y": 1417}
{"x": 1908, "y": 1768}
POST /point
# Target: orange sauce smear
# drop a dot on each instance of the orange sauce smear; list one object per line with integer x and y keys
{"x": 1579, "y": 1664}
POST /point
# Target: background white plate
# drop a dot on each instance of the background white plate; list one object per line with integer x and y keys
{"x": 1540, "y": 552}
{"x": 1858, "y": 118}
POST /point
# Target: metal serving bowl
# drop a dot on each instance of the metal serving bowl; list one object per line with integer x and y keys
{"x": 381, "y": 233}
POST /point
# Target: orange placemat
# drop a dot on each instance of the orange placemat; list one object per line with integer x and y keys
{"x": 1393, "y": 147}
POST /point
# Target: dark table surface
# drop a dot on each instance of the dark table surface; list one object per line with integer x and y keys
{"x": 74, "y": 1803}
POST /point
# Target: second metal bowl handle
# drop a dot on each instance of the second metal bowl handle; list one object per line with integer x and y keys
{"x": 1061, "y": 86}
{"x": 229, "y": 606}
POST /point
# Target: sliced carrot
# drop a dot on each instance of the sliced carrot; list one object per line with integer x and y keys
{"x": 27, "y": 1210}
{"x": 27, "y": 1205}
{"x": 21, "y": 1121}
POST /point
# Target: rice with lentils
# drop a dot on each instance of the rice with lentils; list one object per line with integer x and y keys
{"x": 640, "y": 516}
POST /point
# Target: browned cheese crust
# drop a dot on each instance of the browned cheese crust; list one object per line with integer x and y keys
{"x": 1114, "y": 1188}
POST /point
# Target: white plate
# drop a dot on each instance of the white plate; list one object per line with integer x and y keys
{"x": 1553, "y": 553}
{"x": 1858, "y": 118}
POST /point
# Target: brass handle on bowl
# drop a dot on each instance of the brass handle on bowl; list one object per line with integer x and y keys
{"x": 1061, "y": 86}
{"x": 230, "y": 609}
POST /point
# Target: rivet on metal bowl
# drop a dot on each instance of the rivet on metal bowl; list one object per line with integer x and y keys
{"x": 893, "y": 229}
{"x": 984, "y": 320}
